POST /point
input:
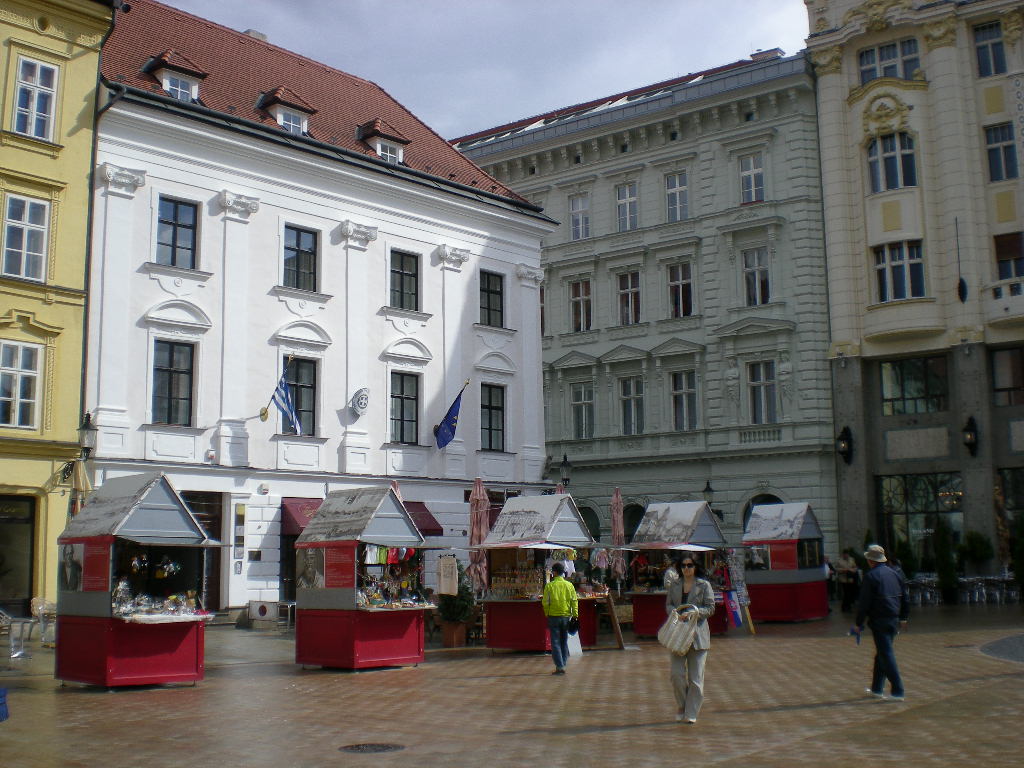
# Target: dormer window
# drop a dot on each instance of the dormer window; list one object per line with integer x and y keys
{"x": 179, "y": 87}
{"x": 178, "y": 75}
{"x": 288, "y": 109}
{"x": 384, "y": 139}
{"x": 293, "y": 122}
{"x": 389, "y": 152}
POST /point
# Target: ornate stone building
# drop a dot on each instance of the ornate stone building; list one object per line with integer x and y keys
{"x": 685, "y": 325}
{"x": 921, "y": 115}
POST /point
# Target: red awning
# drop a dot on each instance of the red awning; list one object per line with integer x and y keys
{"x": 296, "y": 513}
{"x": 425, "y": 521}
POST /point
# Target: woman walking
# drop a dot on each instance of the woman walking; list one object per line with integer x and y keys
{"x": 694, "y": 599}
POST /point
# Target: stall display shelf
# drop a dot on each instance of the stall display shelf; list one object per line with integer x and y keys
{"x": 649, "y": 614}
{"x": 520, "y": 625}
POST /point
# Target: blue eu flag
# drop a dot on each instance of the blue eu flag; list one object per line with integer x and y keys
{"x": 444, "y": 432}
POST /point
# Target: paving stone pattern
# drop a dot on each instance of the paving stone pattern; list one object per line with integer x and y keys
{"x": 790, "y": 696}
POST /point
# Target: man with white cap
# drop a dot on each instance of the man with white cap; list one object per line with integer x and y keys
{"x": 884, "y": 603}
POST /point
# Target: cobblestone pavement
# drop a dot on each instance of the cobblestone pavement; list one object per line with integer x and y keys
{"x": 790, "y": 696}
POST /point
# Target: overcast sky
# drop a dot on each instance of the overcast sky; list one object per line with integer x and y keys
{"x": 462, "y": 66}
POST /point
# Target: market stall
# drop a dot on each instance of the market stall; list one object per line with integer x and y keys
{"x": 131, "y": 587}
{"x": 784, "y": 563}
{"x": 529, "y": 534}
{"x": 358, "y": 583}
{"x": 666, "y": 531}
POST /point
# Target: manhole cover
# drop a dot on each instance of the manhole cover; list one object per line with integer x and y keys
{"x": 367, "y": 748}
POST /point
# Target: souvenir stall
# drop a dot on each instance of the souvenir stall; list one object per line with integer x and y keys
{"x": 131, "y": 587}
{"x": 358, "y": 578}
{"x": 529, "y": 534}
{"x": 784, "y": 563}
{"x": 666, "y": 531}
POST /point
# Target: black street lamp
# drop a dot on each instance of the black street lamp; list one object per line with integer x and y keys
{"x": 970, "y": 435}
{"x": 565, "y": 468}
{"x": 709, "y": 492}
{"x": 87, "y": 436}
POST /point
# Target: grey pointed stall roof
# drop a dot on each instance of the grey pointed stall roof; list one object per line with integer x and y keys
{"x": 144, "y": 508}
{"x": 551, "y": 519}
{"x": 782, "y": 522}
{"x": 669, "y": 524}
{"x": 370, "y": 515}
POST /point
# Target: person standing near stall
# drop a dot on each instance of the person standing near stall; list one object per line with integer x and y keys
{"x": 560, "y": 604}
{"x": 846, "y": 568}
{"x": 885, "y": 605}
{"x": 695, "y": 601}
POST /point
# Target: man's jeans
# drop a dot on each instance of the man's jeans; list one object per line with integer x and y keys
{"x": 884, "y": 633}
{"x": 558, "y": 626}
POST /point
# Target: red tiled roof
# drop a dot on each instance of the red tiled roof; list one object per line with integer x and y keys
{"x": 240, "y": 68}
{"x": 603, "y": 100}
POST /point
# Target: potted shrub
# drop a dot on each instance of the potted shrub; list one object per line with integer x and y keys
{"x": 455, "y": 612}
{"x": 945, "y": 561}
{"x": 976, "y": 551}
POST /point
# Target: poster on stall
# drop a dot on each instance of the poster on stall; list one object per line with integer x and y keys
{"x": 309, "y": 568}
{"x": 340, "y": 567}
{"x": 96, "y": 569}
{"x": 737, "y": 577}
{"x": 733, "y": 609}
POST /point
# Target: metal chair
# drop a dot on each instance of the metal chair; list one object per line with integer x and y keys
{"x": 44, "y": 612}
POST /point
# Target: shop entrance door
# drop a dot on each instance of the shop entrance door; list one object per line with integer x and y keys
{"x": 17, "y": 532}
{"x": 209, "y": 511}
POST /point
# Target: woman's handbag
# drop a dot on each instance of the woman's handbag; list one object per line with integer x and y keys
{"x": 676, "y": 634}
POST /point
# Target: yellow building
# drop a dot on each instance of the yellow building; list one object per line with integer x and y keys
{"x": 50, "y": 61}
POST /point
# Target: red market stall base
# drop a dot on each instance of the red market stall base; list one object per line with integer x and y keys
{"x": 649, "y": 614}
{"x": 114, "y": 652}
{"x": 359, "y": 639}
{"x": 794, "y": 601}
{"x": 520, "y": 625}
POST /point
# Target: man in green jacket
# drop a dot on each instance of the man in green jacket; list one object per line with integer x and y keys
{"x": 560, "y": 604}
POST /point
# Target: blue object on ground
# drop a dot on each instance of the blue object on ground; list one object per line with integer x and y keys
{"x": 4, "y": 714}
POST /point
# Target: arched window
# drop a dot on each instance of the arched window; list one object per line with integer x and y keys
{"x": 764, "y": 498}
{"x": 631, "y": 517}
{"x": 592, "y": 521}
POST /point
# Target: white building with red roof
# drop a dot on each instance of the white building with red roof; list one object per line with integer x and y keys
{"x": 258, "y": 212}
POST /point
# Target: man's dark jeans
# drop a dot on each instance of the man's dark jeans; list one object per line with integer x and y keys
{"x": 558, "y": 626}
{"x": 884, "y": 633}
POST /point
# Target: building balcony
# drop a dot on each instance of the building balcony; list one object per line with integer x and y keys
{"x": 907, "y": 318}
{"x": 1004, "y": 302}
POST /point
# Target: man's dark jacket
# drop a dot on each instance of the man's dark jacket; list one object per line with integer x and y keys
{"x": 883, "y": 597}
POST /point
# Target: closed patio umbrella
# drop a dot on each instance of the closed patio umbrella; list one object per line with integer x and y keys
{"x": 479, "y": 526}
{"x": 618, "y": 564}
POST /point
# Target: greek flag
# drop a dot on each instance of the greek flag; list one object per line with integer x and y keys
{"x": 283, "y": 400}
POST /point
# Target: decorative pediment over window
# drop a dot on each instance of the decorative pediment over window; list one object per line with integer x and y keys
{"x": 886, "y": 113}
{"x": 575, "y": 360}
{"x": 496, "y": 362}
{"x": 677, "y": 347}
{"x": 303, "y": 332}
{"x": 754, "y": 326}
{"x": 876, "y": 15}
{"x": 285, "y": 97}
{"x": 179, "y": 312}
{"x": 407, "y": 350}
{"x": 381, "y": 128}
{"x": 27, "y": 323}
{"x": 623, "y": 353}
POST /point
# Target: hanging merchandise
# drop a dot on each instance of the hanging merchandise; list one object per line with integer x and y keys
{"x": 447, "y": 575}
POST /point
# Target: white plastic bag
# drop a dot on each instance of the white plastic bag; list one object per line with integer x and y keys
{"x": 575, "y": 647}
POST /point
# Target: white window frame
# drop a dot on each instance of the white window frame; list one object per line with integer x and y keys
{"x": 991, "y": 52}
{"x": 389, "y": 151}
{"x": 761, "y": 385}
{"x": 892, "y": 162}
{"x": 34, "y": 92}
{"x": 26, "y": 228}
{"x": 15, "y": 373}
{"x": 899, "y": 262}
{"x": 579, "y": 216}
{"x": 581, "y": 305}
{"x": 178, "y": 85}
{"x": 680, "y": 284}
{"x": 631, "y": 401}
{"x": 751, "y": 168}
{"x": 756, "y": 275}
{"x": 1001, "y": 151}
{"x": 902, "y": 65}
{"x": 677, "y": 197}
{"x": 627, "y": 206}
{"x": 683, "y": 394}
{"x": 581, "y": 398}
{"x": 628, "y": 298}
